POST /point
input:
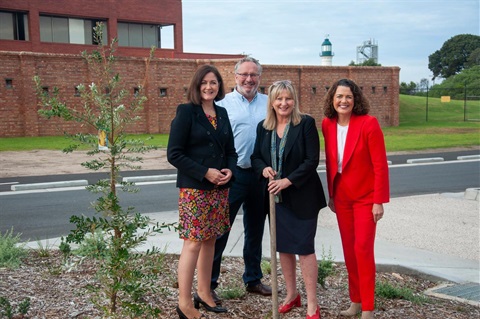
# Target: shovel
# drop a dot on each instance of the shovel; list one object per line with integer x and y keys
{"x": 273, "y": 257}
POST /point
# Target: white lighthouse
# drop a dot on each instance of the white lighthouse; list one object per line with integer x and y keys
{"x": 326, "y": 55}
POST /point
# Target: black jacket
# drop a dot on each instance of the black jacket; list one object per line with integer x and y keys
{"x": 194, "y": 146}
{"x": 301, "y": 156}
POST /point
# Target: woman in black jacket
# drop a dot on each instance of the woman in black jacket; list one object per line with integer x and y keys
{"x": 201, "y": 147}
{"x": 285, "y": 157}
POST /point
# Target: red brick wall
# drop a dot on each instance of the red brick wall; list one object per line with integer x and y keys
{"x": 149, "y": 11}
{"x": 59, "y": 65}
{"x": 19, "y": 104}
{"x": 112, "y": 11}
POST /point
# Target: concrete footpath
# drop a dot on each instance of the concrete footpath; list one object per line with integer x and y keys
{"x": 419, "y": 234}
{"x": 434, "y": 235}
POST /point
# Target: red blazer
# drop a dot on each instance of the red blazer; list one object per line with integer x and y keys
{"x": 365, "y": 168}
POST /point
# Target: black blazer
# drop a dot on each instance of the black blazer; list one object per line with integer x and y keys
{"x": 194, "y": 146}
{"x": 301, "y": 156}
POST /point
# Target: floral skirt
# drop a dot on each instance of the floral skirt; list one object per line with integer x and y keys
{"x": 203, "y": 214}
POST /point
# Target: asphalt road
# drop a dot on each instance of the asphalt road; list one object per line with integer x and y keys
{"x": 5, "y": 183}
{"x": 45, "y": 214}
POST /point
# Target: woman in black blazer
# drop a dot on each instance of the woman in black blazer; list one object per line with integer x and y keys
{"x": 201, "y": 147}
{"x": 285, "y": 157}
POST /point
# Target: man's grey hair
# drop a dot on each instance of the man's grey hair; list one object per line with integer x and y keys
{"x": 249, "y": 59}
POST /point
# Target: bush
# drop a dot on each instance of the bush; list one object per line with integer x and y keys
{"x": 93, "y": 245}
{"x": 10, "y": 251}
{"x": 388, "y": 291}
{"x": 7, "y": 310}
{"x": 325, "y": 267}
{"x": 266, "y": 266}
{"x": 232, "y": 290}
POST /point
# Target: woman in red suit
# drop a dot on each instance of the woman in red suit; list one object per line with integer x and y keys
{"x": 357, "y": 176}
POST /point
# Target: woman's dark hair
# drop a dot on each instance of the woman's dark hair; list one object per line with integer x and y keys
{"x": 193, "y": 92}
{"x": 361, "y": 105}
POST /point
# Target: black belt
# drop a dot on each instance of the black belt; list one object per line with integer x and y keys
{"x": 249, "y": 169}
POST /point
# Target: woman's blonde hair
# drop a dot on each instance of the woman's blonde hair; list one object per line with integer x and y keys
{"x": 273, "y": 92}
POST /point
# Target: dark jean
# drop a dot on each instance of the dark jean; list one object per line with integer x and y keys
{"x": 245, "y": 190}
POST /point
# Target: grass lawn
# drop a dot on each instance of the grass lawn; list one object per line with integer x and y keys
{"x": 444, "y": 127}
{"x": 60, "y": 142}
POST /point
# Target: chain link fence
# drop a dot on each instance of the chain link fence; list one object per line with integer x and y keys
{"x": 445, "y": 104}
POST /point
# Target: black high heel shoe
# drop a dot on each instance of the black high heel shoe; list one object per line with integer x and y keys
{"x": 180, "y": 313}
{"x": 183, "y": 316}
{"x": 197, "y": 301}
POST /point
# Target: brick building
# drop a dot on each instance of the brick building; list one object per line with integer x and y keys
{"x": 40, "y": 37}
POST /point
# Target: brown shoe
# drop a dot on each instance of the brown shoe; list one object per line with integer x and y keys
{"x": 260, "y": 289}
{"x": 216, "y": 298}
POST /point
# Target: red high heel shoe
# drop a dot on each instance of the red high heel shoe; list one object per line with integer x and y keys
{"x": 289, "y": 306}
{"x": 316, "y": 315}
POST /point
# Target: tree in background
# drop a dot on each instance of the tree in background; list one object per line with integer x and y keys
{"x": 415, "y": 88}
{"x": 473, "y": 59}
{"x": 369, "y": 62}
{"x": 423, "y": 85}
{"x": 452, "y": 57}
{"x": 408, "y": 89}
{"x": 465, "y": 83}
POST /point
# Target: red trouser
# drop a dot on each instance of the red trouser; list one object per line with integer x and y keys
{"x": 357, "y": 230}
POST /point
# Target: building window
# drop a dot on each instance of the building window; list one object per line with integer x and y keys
{"x": 77, "y": 91}
{"x": 163, "y": 92}
{"x": 45, "y": 91}
{"x": 262, "y": 89}
{"x": 373, "y": 90}
{"x": 314, "y": 90}
{"x": 145, "y": 35}
{"x": 327, "y": 88}
{"x": 70, "y": 30}
{"x": 13, "y": 26}
{"x": 185, "y": 90}
{"x": 136, "y": 91}
{"x": 385, "y": 89}
{"x": 8, "y": 83}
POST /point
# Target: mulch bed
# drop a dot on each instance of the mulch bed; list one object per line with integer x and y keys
{"x": 55, "y": 292}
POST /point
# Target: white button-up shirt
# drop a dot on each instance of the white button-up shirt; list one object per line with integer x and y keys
{"x": 244, "y": 117}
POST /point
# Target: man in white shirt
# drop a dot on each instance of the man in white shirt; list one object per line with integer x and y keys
{"x": 246, "y": 107}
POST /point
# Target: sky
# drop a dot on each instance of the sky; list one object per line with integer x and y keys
{"x": 291, "y": 32}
